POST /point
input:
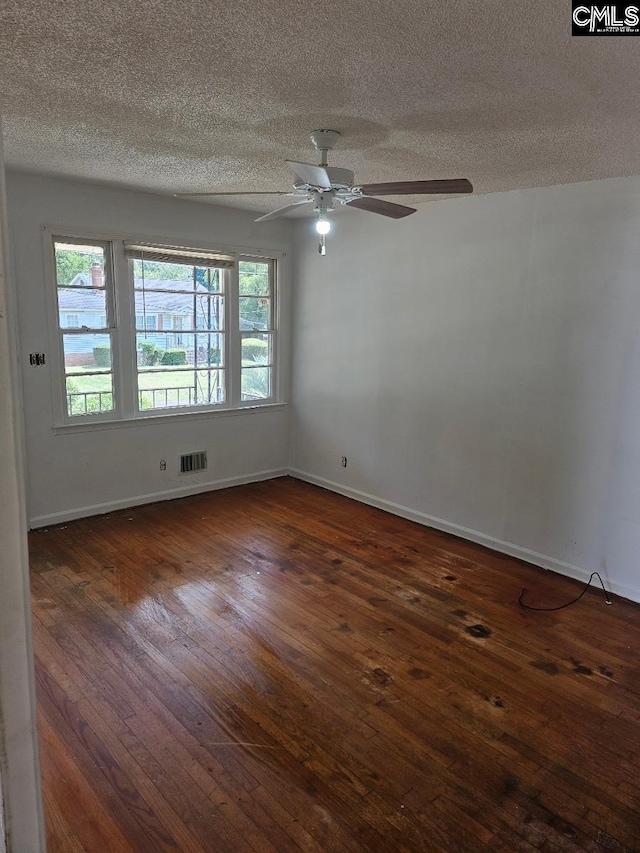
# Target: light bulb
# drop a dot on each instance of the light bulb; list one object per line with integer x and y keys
{"x": 323, "y": 226}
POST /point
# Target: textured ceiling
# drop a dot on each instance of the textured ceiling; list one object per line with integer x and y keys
{"x": 202, "y": 95}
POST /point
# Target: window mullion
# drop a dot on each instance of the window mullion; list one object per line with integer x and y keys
{"x": 233, "y": 337}
{"x": 125, "y": 331}
{"x": 275, "y": 326}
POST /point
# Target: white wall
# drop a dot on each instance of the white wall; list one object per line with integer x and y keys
{"x": 479, "y": 365}
{"x": 86, "y": 471}
{"x": 20, "y": 804}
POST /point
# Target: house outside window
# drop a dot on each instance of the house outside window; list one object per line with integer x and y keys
{"x": 184, "y": 330}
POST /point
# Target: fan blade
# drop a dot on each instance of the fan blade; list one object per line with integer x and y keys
{"x": 315, "y": 176}
{"x": 386, "y": 208}
{"x": 265, "y": 192}
{"x": 282, "y": 210}
{"x": 455, "y": 185}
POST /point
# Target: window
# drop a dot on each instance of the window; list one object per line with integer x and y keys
{"x": 146, "y": 321}
{"x": 189, "y": 371}
{"x": 182, "y": 330}
{"x": 83, "y": 283}
{"x": 256, "y": 328}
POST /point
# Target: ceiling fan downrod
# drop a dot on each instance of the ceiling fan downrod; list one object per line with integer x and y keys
{"x": 324, "y": 141}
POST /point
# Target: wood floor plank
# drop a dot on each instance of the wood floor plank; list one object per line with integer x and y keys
{"x": 80, "y": 820}
{"x": 274, "y": 668}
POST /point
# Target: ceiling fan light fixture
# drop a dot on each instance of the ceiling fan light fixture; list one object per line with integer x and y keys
{"x": 323, "y": 226}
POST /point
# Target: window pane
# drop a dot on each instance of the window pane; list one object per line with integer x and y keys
{"x": 87, "y": 353}
{"x": 89, "y": 394}
{"x": 179, "y": 349}
{"x": 180, "y": 353}
{"x": 254, "y": 278}
{"x": 256, "y": 383}
{"x": 256, "y": 350}
{"x": 78, "y": 265}
{"x": 155, "y": 275}
{"x": 255, "y": 313}
{"x": 86, "y": 306}
{"x": 172, "y": 310}
{"x": 209, "y": 350}
{"x": 164, "y": 389}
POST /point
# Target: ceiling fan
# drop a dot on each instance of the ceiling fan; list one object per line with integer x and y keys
{"x": 325, "y": 185}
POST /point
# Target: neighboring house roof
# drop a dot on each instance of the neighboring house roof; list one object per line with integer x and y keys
{"x": 163, "y": 303}
{"x": 76, "y": 298}
{"x": 79, "y": 297}
{"x": 81, "y": 300}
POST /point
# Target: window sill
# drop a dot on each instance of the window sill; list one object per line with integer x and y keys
{"x": 125, "y": 423}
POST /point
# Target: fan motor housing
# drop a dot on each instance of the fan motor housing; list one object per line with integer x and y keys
{"x": 340, "y": 178}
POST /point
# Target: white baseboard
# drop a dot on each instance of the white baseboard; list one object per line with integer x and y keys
{"x": 533, "y": 557}
{"x": 153, "y": 497}
{"x": 541, "y": 560}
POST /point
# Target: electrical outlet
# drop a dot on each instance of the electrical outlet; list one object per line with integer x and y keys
{"x": 343, "y": 461}
{"x": 163, "y": 464}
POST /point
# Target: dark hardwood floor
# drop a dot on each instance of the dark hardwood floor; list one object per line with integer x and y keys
{"x": 277, "y": 668}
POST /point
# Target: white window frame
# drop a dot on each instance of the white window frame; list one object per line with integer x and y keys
{"x": 143, "y": 413}
{"x": 121, "y": 325}
{"x": 57, "y": 332}
{"x": 273, "y": 331}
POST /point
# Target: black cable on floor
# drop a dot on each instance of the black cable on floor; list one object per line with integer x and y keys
{"x": 569, "y": 603}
